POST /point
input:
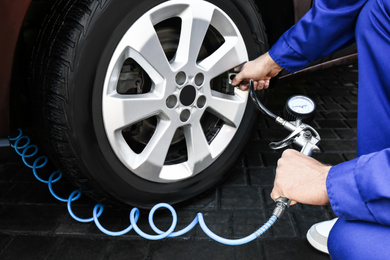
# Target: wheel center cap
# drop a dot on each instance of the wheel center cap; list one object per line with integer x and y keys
{"x": 187, "y": 95}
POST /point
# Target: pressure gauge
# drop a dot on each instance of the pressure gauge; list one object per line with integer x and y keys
{"x": 299, "y": 107}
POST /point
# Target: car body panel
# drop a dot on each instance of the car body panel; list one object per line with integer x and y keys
{"x": 300, "y": 8}
{"x": 12, "y": 14}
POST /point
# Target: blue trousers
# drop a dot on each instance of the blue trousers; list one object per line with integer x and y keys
{"x": 373, "y": 42}
{"x": 358, "y": 241}
{"x": 354, "y": 239}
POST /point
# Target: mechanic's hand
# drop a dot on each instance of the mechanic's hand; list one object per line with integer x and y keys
{"x": 260, "y": 70}
{"x": 301, "y": 179}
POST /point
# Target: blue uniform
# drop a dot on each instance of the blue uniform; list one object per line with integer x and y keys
{"x": 359, "y": 190}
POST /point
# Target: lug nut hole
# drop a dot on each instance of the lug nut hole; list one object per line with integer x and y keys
{"x": 199, "y": 79}
{"x": 201, "y": 102}
{"x": 181, "y": 78}
{"x": 171, "y": 101}
{"x": 185, "y": 115}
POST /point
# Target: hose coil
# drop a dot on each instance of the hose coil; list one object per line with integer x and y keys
{"x": 27, "y": 150}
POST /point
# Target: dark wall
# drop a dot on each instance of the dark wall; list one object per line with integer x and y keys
{"x": 278, "y": 16}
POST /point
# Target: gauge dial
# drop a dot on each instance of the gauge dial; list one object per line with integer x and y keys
{"x": 301, "y": 105}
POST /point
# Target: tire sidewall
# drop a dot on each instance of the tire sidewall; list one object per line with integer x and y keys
{"x": 89, "y": 141}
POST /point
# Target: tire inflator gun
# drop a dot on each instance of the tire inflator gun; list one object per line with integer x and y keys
{"x": 297, "y": 111}
{"x": 300, "y": 108}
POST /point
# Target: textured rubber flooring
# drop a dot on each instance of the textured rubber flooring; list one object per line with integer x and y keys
{"x": 33, "y": 225}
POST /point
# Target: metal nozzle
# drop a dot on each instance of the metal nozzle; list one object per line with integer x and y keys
{"x": 281, "y": 205}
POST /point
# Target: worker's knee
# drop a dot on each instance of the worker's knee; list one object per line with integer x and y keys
{"x": 359, "y": 240}
{"x": 375, "y": 15}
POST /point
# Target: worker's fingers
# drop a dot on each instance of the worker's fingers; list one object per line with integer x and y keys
{"x": 244, "y": 87}
{"x": 237, "y": 79}
{"x": 257, "y": 84}
{"x": 274, "y": 196}
{"x": 262, "y": 84}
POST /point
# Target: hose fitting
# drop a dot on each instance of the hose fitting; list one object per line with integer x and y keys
{"x": 281, "y": 205}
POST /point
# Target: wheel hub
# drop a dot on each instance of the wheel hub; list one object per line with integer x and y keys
{"x": 187, "y": 95}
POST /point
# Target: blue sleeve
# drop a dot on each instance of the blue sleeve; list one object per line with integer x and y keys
{"x": 360, "y": 189}
{"x": 327, "y": 27}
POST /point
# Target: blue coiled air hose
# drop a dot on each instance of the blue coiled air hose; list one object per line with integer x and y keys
{"x": 27, "y": 151}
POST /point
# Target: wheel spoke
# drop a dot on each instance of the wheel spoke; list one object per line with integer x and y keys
{"x": 195, "y": 23}
{"x": 152, "y": 158}
{"x": 148, "y": 45}
{"x": 124, "y": 110}
{"x": 198, "y": 149}
{"x": 229, "y": 55}
{"x": 227, "y": 107}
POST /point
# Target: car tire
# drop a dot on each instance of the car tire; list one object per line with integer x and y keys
{"x": 133, "y": 98}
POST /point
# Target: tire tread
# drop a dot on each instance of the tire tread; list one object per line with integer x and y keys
{"x": 53, "y": 62}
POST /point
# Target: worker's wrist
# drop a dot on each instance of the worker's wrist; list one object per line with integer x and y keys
{"x": 273, "y": 64}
